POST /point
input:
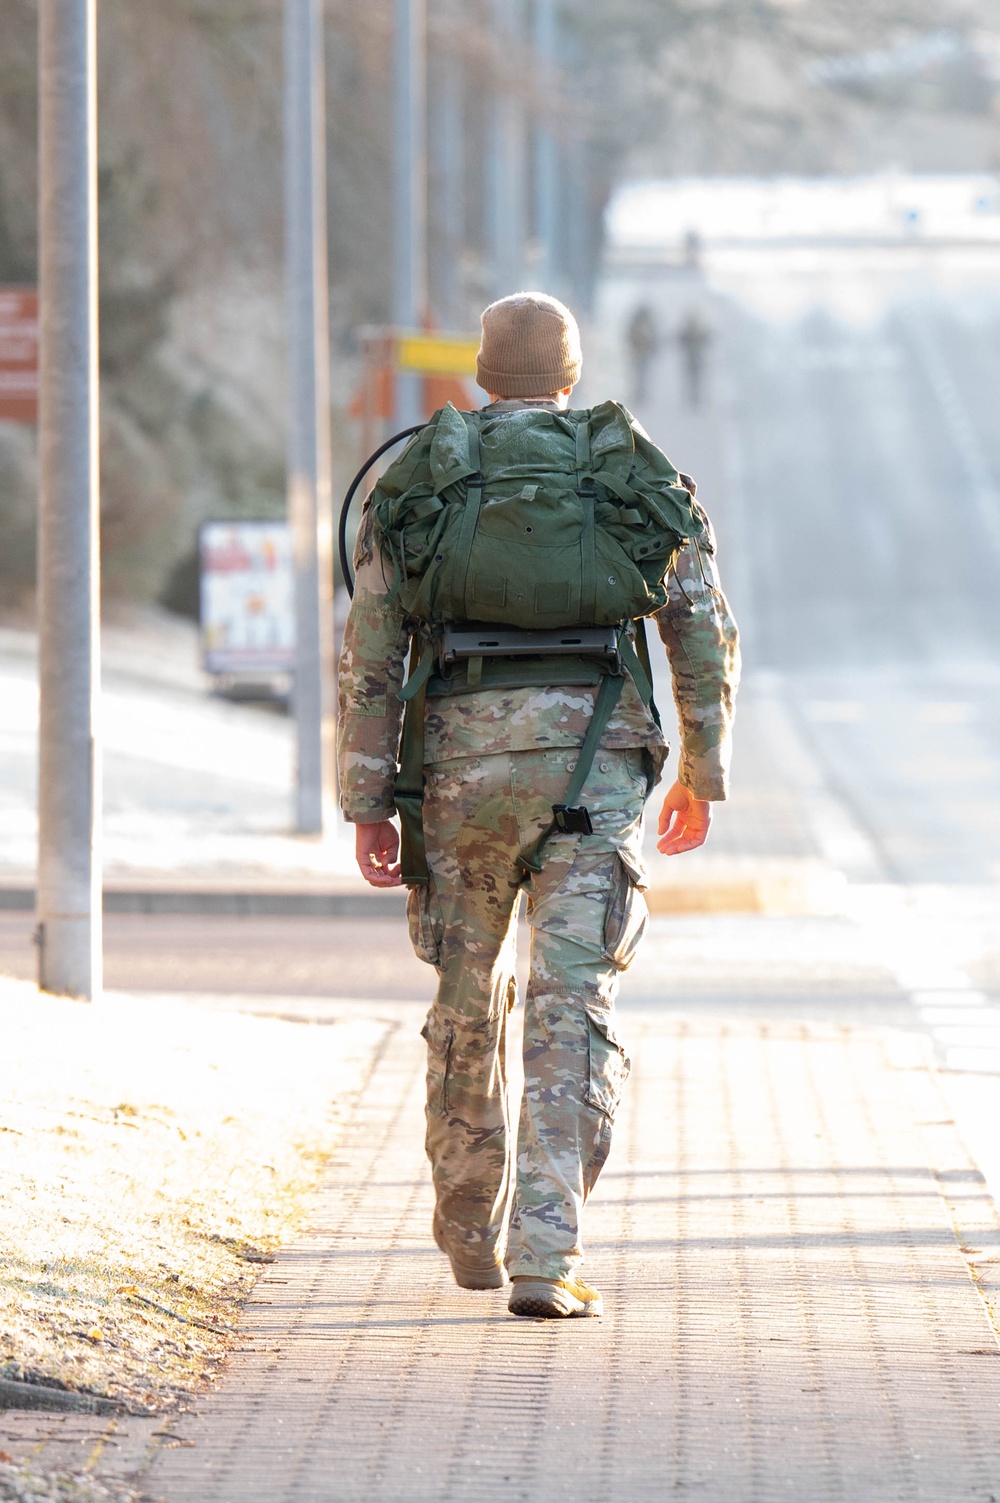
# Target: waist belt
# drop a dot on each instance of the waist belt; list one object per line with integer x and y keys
{"x": 458, "y": 644}
{"x": 470, "y": 658}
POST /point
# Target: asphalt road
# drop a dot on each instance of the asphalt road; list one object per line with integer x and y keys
{"x": 250, "y": 956}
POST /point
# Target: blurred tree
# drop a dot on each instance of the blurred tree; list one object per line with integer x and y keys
{"x": 717, "y": 86}
{"x": 191, "y": 195}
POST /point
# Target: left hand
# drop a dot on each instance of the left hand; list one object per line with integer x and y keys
{"x": 684, "y": 821}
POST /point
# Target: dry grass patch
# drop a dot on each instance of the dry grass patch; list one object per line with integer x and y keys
{"x": 22, "y": 1484}
{"x": 152, "y": 1154}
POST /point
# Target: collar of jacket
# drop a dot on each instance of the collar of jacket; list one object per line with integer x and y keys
{"x": 513, "y": 404}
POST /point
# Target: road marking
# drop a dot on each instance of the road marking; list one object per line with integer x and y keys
{"x": 949, "y": 712}
{"x": 835, "y": 711}
{"x": 969, "y": 453}
{"x": 839, "y": 836}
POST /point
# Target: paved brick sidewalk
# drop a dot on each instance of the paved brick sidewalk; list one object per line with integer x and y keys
{"x": 790, "y": 1311}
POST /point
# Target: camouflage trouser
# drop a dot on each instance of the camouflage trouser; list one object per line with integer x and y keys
{"x": 587, "y": 916}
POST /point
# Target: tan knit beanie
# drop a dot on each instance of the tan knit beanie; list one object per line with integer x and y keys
{"x": 530, "y": 347}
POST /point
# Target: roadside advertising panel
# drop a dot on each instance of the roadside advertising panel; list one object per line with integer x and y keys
{"x": 247, "y": 598}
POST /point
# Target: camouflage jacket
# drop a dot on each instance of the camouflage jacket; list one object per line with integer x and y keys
{"x": 696, "y": 628}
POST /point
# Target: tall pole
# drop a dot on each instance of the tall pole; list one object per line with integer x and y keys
{"x": 409, "y": 301}
{"x": 309, "y": 497}
{"x": 506, "y": 148}
{"x": 546, "y": 149}
{"x": 577, "y": 202}
{"x": 69, "y": 873}
{"x": 449, "y": 161}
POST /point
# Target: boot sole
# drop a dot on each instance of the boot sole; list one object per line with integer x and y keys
{"x": 542, "y": 1301}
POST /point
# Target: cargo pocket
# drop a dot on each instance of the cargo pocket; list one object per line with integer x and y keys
{"x": 423, "y": 915}
{"x": 609, "y": 1066}
{"x": 626, "y": 914}
{"x": 645, "y": 765}
{"x": 440, "y": 1036}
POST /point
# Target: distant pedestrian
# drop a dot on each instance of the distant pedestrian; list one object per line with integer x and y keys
{"x": 643, "y": 340}
{"x": 694, "y": 337}
{"x": 692, "y": 250}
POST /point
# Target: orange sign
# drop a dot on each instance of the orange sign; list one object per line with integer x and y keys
{"x": 19, "y": 354}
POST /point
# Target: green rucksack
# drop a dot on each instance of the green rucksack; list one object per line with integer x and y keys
{"x": 526, "y": 545}
{"x": 532, "y": 519}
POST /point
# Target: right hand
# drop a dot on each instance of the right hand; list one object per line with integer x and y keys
{"x": 376, "y": 848}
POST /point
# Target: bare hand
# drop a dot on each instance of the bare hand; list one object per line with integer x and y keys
{"x": 376, "y": 848}
{"x": 684, "y": 821}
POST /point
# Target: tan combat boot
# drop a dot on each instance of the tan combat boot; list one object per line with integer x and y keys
{"x": 470, "y": 1275}
{"x": 553, "y": 1298}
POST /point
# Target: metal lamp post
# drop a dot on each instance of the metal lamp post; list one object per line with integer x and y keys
{"x": 309, "y": 493}
{"x": 69, "y": 873}
{"x": 546, "y": 37}
{"x": 409, "y": 300}
{"x": 507, "y": 156}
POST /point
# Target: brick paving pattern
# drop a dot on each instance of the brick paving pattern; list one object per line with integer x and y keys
{"x": 790, "y": 1313}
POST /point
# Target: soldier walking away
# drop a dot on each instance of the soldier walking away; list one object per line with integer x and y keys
{"x": 510, "y": 552}
{"x": 694, "y": 338}
{"x": 643, "y": 341}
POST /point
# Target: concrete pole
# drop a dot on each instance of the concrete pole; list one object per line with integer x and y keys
{"x": 576, "y": 201}
{"x": 506, "y": 155}
{"x": 309, "y": 497}
{"x": 449, "y": 177}
{"x": 69, "y": 869}
{"x": 409, "y": 301}
{"x": 546, "y": 37}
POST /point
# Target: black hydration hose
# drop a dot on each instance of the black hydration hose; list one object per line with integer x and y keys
{"x": 345, "y": 563}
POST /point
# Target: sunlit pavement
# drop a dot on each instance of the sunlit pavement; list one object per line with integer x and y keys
{"x": 797, "y": 1253}
{"x": 797, "y": 1250}
{"x": 789, "y": 1310}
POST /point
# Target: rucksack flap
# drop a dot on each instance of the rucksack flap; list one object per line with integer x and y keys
{"x": 532, "y": 519}
{"x": 407, "y": 506}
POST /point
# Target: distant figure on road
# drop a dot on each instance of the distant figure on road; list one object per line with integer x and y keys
{"x": 694, "y": 337}
{"x": 494, "y": 553}
{"x": 643, "y": 340}
{"x": 692, "y": 250}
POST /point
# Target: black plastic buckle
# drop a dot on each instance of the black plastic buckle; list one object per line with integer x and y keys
{"x": 572, "y": 821}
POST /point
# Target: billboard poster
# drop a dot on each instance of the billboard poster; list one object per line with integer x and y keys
{"x": 247, "y": 598}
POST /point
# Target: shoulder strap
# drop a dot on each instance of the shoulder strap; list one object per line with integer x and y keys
{"x": 529, "y": 860}
{"x": 588, "y": 534}
{"x": 453, "y": 453}
{"x": 409, "y": 792}
{"x": 470, "y": 520}
{"x": 636, "y": 660}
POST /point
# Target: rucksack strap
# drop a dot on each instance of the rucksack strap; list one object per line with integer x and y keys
{"x": 642, "y": 652}
{"x": 636, "y": 660}
{"x": 409, "y": 792}
{"x": 473, "y": 506}
{"x": 568, "y": 816}
{"x": 587, "y": 493}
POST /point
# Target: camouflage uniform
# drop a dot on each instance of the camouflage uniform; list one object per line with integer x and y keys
{"x": 496, "y": 762}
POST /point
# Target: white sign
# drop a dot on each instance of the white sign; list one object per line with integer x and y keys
{"x": 247, "y": 599}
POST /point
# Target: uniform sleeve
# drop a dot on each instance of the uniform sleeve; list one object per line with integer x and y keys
{"x": 697, "y": 628}
{"x": 372, "y": 665}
